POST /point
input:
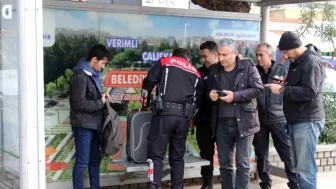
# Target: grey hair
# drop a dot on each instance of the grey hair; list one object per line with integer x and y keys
{"x": 268, "y": 47}
{"x": 227, "y": 43}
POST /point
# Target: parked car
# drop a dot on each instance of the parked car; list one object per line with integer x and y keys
{"x": 330, "y": 81}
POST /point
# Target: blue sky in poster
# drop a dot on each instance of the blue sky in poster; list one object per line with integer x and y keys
{"x": 200, "y": 26}
{"x": 76, "y": 19}
{"x": 145, "y": 25}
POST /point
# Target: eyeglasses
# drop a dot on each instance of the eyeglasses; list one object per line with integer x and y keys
{"x": 285, "y": 52}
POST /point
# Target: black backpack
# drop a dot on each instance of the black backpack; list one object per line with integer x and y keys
{"x": 111, "y": 133}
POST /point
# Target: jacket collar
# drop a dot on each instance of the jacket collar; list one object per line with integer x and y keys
{"x": 273, "y": 66}
{"x": 240, "y": 66}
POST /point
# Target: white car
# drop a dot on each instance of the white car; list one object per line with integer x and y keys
{"x": 330, "y": 81}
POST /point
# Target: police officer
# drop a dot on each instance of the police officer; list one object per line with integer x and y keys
{"x": 202, "y": 120}
{"x": 173, "y": 106}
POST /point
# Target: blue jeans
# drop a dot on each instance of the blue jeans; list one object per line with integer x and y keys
{"x": 227, "y": 137}
{"x": 87, "y": 143}
{"x": 304, "y": 138}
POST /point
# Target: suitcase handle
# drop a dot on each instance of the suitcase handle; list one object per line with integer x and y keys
{"x": 150, "y": 170}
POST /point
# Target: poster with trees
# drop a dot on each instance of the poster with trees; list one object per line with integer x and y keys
{"x": 135, "y": 42}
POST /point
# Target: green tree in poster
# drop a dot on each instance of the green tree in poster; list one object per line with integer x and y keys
{"x": 194, "y": 56}
{"x": 127, "y": 58}
{"x": 175, "y": 45}
{"x": 68, "y": 75}
{"x": 144, "y": 46}
{"x": 168, "y": 50}
{"x": 50, "y": 90}
{"x": 133, "y": 55}
{"x": 68, "y": 49}
{"x": 151, "y": 48}
{"x": 164, "y": 44}
{"x": 188, "y": 46}
{"x": 119, "y": 59}
{"x": 61, "y": 83}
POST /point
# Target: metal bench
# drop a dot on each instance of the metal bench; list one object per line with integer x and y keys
{"x": 191, "y": 162}
{"x": 132, "y": 167}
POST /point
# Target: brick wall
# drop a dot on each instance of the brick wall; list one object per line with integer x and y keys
{"x": 325, "y": 158}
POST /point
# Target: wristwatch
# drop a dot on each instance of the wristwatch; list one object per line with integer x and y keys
{"x": 281, "y": 90}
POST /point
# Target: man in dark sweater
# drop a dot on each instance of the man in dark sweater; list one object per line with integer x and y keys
{"x": 272, "y": 120}
{"x": 202, "y": 120}
{"x": 302, "y": 93}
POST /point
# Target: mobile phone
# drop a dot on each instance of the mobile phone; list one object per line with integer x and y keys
{"x": 277, "y": 79}
{"x": 220, "y": 93}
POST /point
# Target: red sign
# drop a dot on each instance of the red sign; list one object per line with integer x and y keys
{"x": 116, "y": 78}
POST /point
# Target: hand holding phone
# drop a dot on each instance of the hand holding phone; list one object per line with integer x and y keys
{"x": 279, "y": 81}
{"x": 214, "y": 95}
{"x": 220, "y": 93}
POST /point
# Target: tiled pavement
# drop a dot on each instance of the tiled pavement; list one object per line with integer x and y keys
{"x": 326, "y": 180}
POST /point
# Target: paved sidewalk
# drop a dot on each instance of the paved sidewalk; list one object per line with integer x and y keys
{"x": 325, "y": 180}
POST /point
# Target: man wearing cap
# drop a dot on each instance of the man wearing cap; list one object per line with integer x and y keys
{"x": 272, "y": 121}
{"x": 302, "y": 93}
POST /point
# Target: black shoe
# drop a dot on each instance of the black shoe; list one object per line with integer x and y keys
{"x": 292, "y": 185}
{"x": 265, "y": 185}
{"x": 207, "y": 183}
{"x": 153, "y": 185}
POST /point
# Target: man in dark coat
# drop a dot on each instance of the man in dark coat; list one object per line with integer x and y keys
{"x": 235, "y": 116}
{"x": 302, "y": 93}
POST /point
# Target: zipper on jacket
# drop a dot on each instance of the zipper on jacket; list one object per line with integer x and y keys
{"x": 266, "y": 102}
{"x": 267, "y": 95}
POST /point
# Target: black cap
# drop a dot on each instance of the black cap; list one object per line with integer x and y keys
{"x": 289, "y": 40}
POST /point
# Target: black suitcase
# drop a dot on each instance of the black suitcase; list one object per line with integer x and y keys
{"x": 138, "y": 126}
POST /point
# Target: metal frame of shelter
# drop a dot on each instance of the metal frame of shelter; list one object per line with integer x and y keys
{"x": 30, "y": 76}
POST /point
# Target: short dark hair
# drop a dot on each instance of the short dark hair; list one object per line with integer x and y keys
{"x": 210, "y": 45}
{"x": 182, "y": 53}
{"x": 99, "y": 51}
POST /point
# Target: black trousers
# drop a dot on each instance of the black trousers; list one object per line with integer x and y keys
{"x": 282, "y": 145}
{"x": 172, "y": 130}
{"x": 206, "y": 145}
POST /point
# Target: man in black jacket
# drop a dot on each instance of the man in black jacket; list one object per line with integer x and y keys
{"x": 202, "y": 120}
{"x": 86, "y": 115}
{"x": 302, "y": 93}
{"x": 272, "y": 120}
{"x": 235, "y": 117}
{"x": 177, "y": 84}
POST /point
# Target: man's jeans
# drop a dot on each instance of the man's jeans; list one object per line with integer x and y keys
{"x": 304, "y": 138}
{"x": 279, "y": 132}
{"x": 227, "y": 137}
{"x": 87, "y": 154}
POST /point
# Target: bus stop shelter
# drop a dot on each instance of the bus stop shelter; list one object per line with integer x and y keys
{"x": 24, "y": 21}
